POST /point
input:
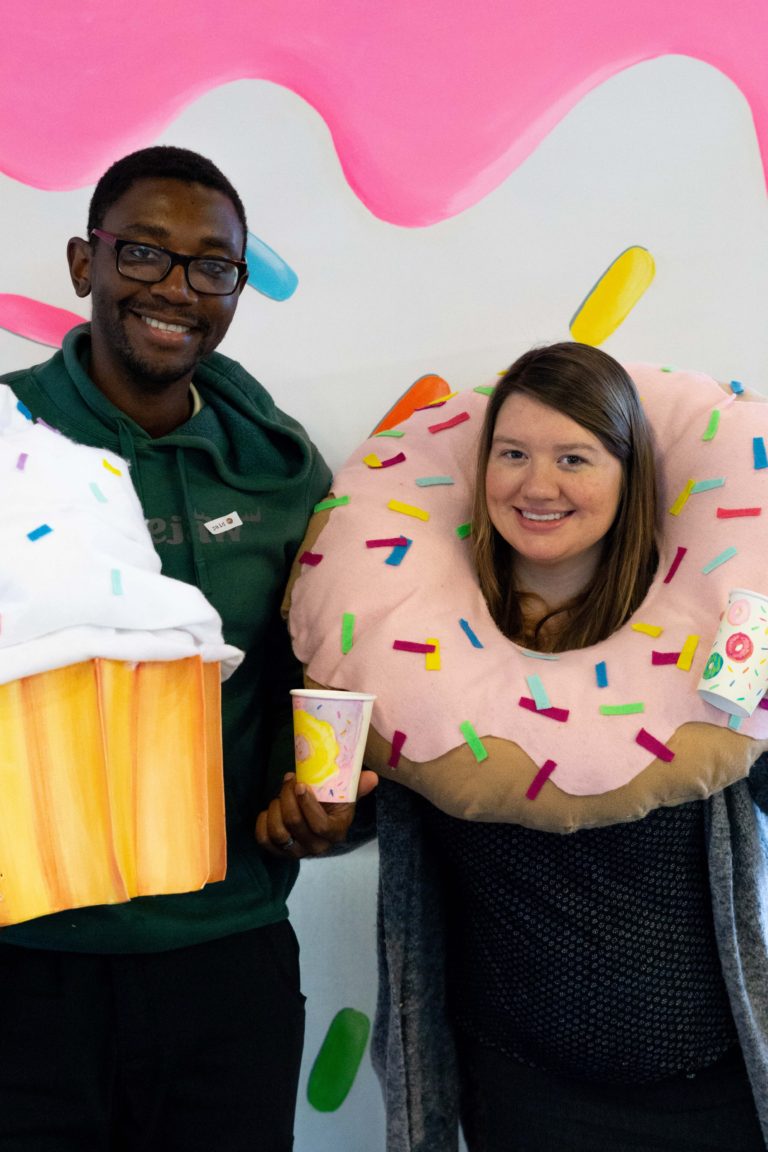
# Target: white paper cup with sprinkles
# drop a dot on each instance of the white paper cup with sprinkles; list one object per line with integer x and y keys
{"x": 330, "y": 729}
{"x": 735, "y": 677}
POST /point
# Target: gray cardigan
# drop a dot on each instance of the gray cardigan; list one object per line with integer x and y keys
{"x": 412, "y": 1047}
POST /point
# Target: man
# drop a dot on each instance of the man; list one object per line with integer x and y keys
{"x": 176, "y": 1022}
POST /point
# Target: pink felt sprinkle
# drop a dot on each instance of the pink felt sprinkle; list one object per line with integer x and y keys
{"x": 560, "y": 714}
{"x": 651, "y": 744}
{"x": 398, "y": 739}
{"x": 393, "y": 460}
{"x": 763, "y": 703}
{"x": 540, "y": 779}
{"x": 458, "y": 419}
{"x": 23, "y": 457}
{"x": 665, "y": 657}
{"x": 727, "y": 513}
{"x": 410, "y": 646}
{"x": 675, "y": 564}
{"x": 388, "y": 542}
{"x": 311, "y": 558}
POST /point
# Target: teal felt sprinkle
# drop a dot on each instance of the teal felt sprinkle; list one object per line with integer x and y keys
{"x": 395, "y": 433}
{"x": 337, "y": 1063}
{"x": 336, "y": 502}
{"x": 538, "y": 655}
{"x": 728, "y": 554}
{"x": 538, "y": 691}
{"x": 485, "y": 389}
{"x": 712, "y": 427}
{"x": 706, "y": 485}
{"x": 734, "y": 722}
{"x": 758, "y": 452}
{"x": 463, "y": 531}
{"x": 474, "y": 741}
{"x": 431, "y": 481}
{"x": 347, "y": 632}
{"x": 117, "y": 582}
{"x": 98, "y": 493}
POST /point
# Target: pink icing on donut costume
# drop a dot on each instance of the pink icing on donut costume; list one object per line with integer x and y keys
{"x": 484, "y": 729}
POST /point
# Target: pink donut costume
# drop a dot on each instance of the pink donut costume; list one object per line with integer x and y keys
{"x": 385, "y": 600}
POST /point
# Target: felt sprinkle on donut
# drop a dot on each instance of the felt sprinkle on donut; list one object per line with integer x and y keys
{"x": 712, "y": 426}
{"x": 736, "y": 387}
{"x": 648, "y": 629}
{"x": 559, "y": 714}
{"x": 689, "y": 651}
{"x": 707, "y": 485}
{"x": 347, "y": 632}
{"x": 408, "y": 510}
{"x": 39, "y": 532}
{"x": 538, "y": 691}
{"x": 438, "y": 403}
{"x": 372, "y": 460}
{"x": 601, "y": 674}
{"x": 395, "y": 433}
{"x": 529, "y": 652}
{"x": 432, "y": 659}
{"x": 397, "y": 555}
{"x": 675, "y": 564}
{"x": 331, "y": 502}
{"x": 728, "y": 554}
{"x": 682, "y": 499}
{"x": 665, "y": 657}
{"x": 387, "y": 542}
{"x": 540, "y": 779}
{"x": 729, "y": 513}
{"x": 464, "y": 530}
{"x": 398, "y": 739}
{"x": 459, "y": 418}
{"x": 398, "y": 459}
{"x": 311, "y": 558}
{"x": 465, "y": 627}
{"x": 622, "y": 709}
{"x": 651, "y": 744}
{"x": 486, "y": 389}
{"x": 21, "y": 460}
{"x": 474, "y": 741}
{"x": 412, "y": 646}
{"x": 433, "y": 481}
{"x": 758, "y": 453}
{"x": 111, "y": 468}
{"x": 734, "y": 723}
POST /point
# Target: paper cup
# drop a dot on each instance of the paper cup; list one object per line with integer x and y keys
{"x": 735, "y": 676}
{"x": 330, "y": 729}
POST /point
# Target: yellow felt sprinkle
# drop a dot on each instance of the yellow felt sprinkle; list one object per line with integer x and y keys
{"x": 648, "y": 629}
{"x": 613, "y": 297}
{"x": 372, "y": 460}
{"x": 440, "y": 400}
{"x": 682, "y": 499}
{"x": 432, "y": 659}
{"x": 111, "y": 468}
{"x": 688, "y": 652}
{"x": 408, "y": 510}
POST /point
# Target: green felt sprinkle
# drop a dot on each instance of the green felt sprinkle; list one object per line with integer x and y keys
{"x": 333, "y": 502}
{"x": 474, "y": 741}
{"x": 486, "y": 389}
{"x": 667, "y": 369}
{"x": 621, "y": 709}
{"x": 718, "y": 560}
{"x": 464, "y": 530}
{"x": 396, "y": 433}
{"x": 714, "y": 424}
{"x": 347, "y": 631}
{"x": 336, "y": 1064}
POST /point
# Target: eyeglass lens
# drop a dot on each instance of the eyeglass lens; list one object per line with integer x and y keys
{"x": 204, "y": 274}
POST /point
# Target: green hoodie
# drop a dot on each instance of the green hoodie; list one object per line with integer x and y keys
{"x": 241, "y": 454}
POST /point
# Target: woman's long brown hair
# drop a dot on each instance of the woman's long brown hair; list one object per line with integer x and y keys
{"x": 591, "y": 388}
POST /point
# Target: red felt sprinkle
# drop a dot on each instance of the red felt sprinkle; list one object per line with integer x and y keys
{"x": 458, "y": 419}
{"x": 727, "y": 513}
{"x": 398, "y": 739}
{"x": 393, "y": 460}
{"x": 560, "y": 714}
{"x": 311, "y": 558}
{"x": 410, "y": 646}
{"x": 388, "y": 542}
{"x": 540, "y": 779}
{"x": 675, "y": 564}
{"x": 665, "y": 657}
{"x": 651, "y": 744}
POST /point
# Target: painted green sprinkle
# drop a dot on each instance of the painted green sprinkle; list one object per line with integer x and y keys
{"x": 332, "y": 502}
{"x": 336, "y": 1064}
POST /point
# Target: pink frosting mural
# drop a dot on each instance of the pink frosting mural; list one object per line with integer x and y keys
{"x": 431, "y": 103}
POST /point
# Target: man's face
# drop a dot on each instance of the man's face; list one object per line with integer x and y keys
{"x": 128, "y": 348}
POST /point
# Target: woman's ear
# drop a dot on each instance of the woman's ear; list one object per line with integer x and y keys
{"x": 79, "y": 256}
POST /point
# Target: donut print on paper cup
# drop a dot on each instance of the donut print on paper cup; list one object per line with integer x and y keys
{"x": 735, "y": 677}
{"x": 330, "y": 730}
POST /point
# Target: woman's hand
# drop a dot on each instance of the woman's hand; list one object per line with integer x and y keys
{"x": 297, "y": 824}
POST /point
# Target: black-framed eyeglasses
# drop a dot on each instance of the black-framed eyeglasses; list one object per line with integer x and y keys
{"x": 208, "y": 275}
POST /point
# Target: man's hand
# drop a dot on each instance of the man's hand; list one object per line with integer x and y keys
{"x": 297, "y": 824}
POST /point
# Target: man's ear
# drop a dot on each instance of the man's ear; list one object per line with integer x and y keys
{"x": 79, "y": 256}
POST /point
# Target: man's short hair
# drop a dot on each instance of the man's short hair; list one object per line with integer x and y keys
{"x": 161, "y": 162}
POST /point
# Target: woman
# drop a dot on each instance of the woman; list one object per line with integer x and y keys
{"x": 576, "y": 978}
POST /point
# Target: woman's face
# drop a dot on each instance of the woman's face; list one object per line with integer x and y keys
{"x": 552, "y": 488}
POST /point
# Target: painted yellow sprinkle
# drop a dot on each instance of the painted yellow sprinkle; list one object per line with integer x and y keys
{"x": 682, "y": 499}
{"x": 111, "y": 468}
{"x": 685, "y": 658}
{"x": 648, "y": 629}
{"x": 408, "y": 510}
{"x": 613, "y": 297}
{"x": 372, "y": 460}
{"x": 432, "y": 659}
